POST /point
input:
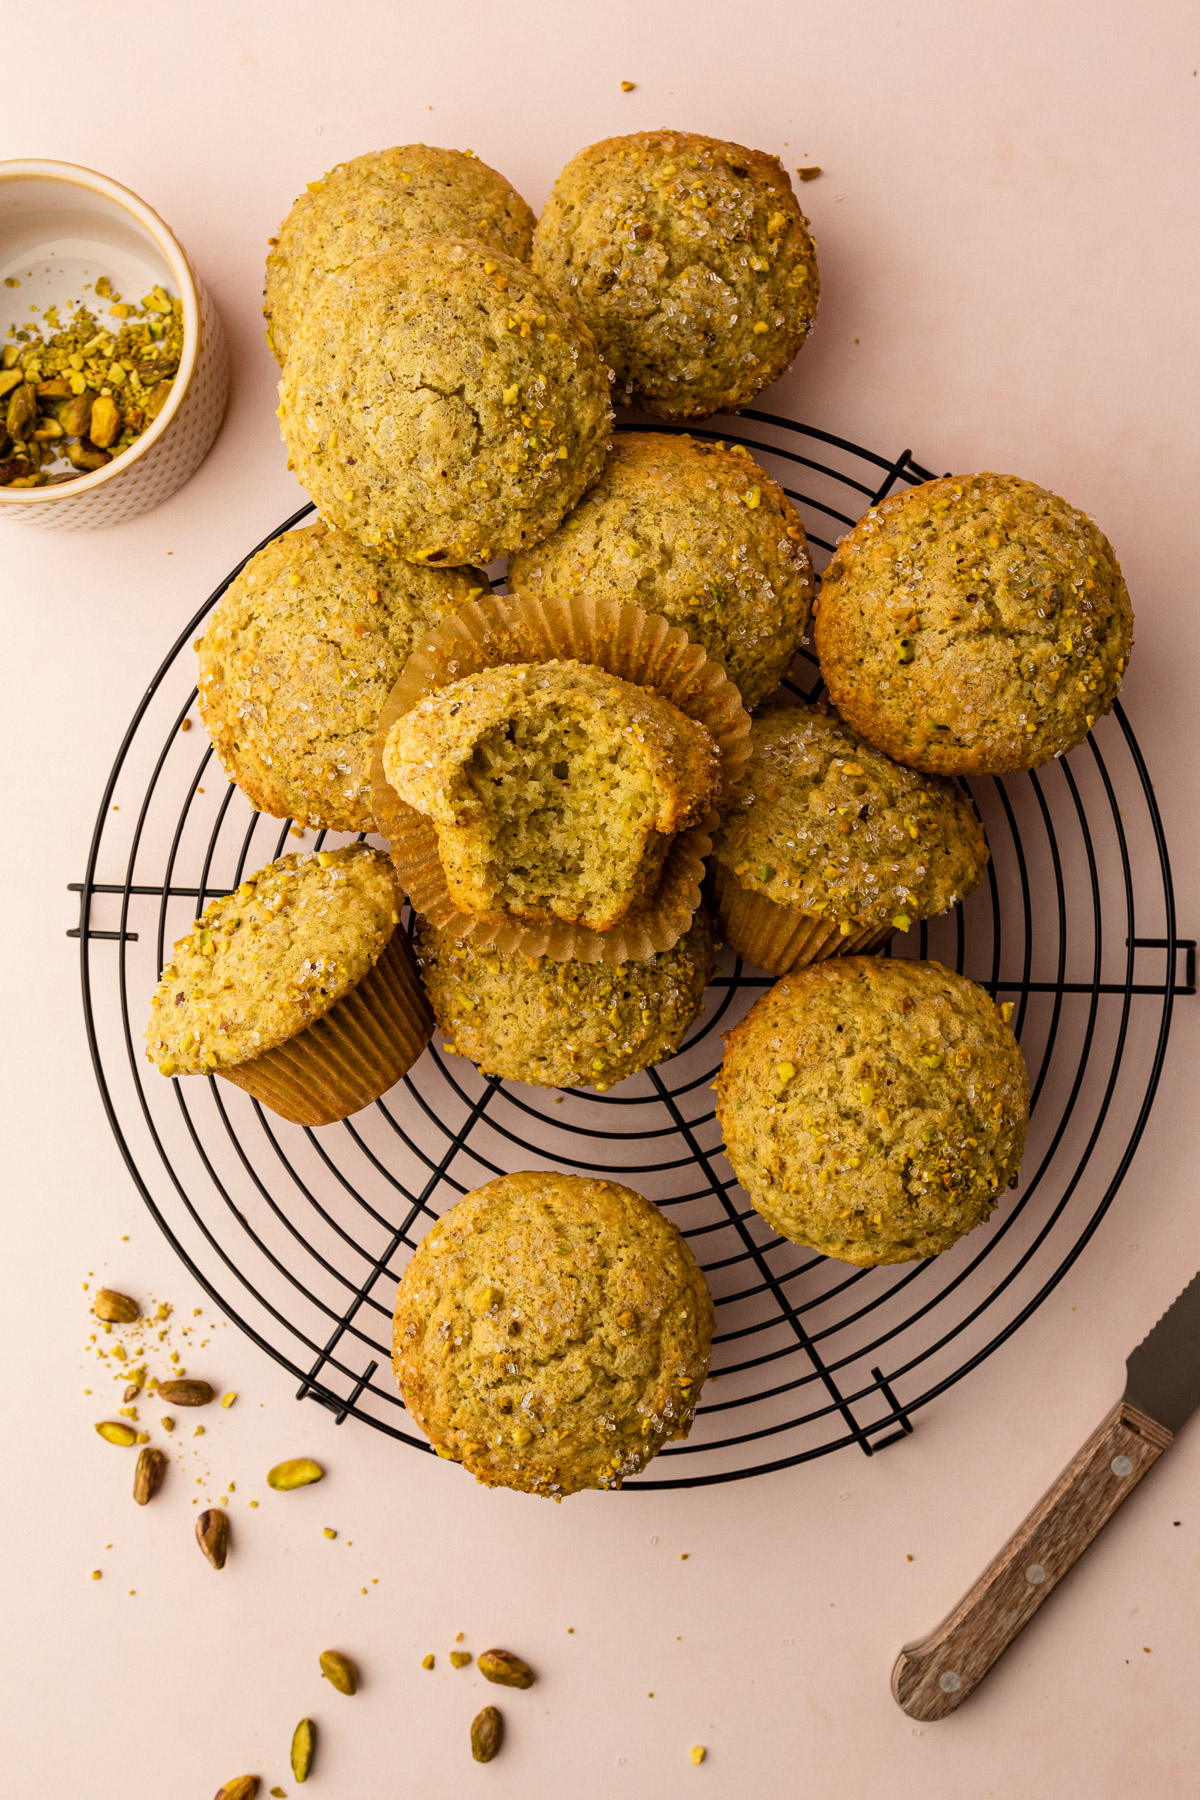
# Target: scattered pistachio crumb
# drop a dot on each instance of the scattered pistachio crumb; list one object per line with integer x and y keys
{"x": 459, "y": 1658}
{"x": 810, "y": 173}
{"x": 698, "y": 1754}
{"x": 427, "y": 1661}
{"x": 228, "y": 1399}
{"x": 627, "y": 87}
{"x": 96, "y": 1574}
{"x": 329, "y": 1532}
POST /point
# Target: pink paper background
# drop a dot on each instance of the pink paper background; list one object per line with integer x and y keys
{"x": 1008, "y": 237}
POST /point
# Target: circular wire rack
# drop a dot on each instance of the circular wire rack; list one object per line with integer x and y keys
{"x": 300, "y": 1236}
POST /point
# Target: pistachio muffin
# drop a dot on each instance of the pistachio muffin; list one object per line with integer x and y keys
{"x": 298, "y": 987}
{"x": 696, "y": 532}
{"x": 564, "y": 1024}
{"x": 974, "y": 626}
{"x": 555, "y": 789}
{"x": 552, "y": 1332}
{"x": 874, "y": 1109}
{"x": 691, "y": 261}
{"x": 375, "y": 202}
{"x": 829, "y": 847}
{"x": 300, "y": 653}
{"x": 438, "y": 399}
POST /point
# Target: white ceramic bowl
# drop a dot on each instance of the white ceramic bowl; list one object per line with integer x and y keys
{"x": 62, "y": 226}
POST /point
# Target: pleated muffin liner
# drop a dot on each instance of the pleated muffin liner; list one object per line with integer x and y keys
{"x": 781, "y": 938}
{"x": 352, "y": 1054}
{"x": 639, "y": 647}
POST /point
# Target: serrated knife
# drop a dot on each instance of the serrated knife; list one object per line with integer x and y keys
{"x": 1162, "y": 1390}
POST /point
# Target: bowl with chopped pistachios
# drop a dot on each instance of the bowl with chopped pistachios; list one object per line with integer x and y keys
{"x": 113, "y": 367}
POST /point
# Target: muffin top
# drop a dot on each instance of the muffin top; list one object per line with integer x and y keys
{"x": 974, "y": 625}
{"x": 271, "y": 957}
{"x": 694, "y": 531}
{"x": 438, "y": 398}
{"x": 822, "y": 822}
{"x": 551, "y": 1333}
{"x": 545, "y": 783}
{"x": 300, "y": 653}
{"x": 691, "y": 261}
{"x": 874, "y": 1109}
{"x": 564, "y": 1024}
{"x": 374, "y": 202}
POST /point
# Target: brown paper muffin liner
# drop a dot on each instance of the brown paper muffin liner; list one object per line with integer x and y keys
{"x": 640, "y": 647}
{"x": 354, "y": 1053}
{"x": 780, "y": 938}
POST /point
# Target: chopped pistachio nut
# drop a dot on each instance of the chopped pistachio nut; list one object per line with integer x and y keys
{"x": 86, "y": 391}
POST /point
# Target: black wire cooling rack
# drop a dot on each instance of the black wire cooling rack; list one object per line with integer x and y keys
{"x": 300, "y": 1236}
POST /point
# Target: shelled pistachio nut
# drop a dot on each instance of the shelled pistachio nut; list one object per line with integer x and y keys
{"x": 212, "y": 1535}
{"x": 339, "y": 1671}
{"x": 487, "y": 1734}
{"x": 185, "y": 1393}
{"x": 114, "y": 1432}
{"x": 298, "y": 1472}
{"x": 304, "y": 1743}
{"x": 148, "y": 1476}
{"x": 504, "y": 1668}
{"x": 114, "y": 1308}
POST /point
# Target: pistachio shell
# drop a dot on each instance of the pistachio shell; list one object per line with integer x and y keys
{"x": 340, "y": 1671}
{"x": 296, "y": 1473}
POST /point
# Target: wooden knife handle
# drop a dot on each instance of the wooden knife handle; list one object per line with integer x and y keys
{"x": 935, "y": 1675}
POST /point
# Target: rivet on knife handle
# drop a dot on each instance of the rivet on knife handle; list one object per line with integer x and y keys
{"x": 935, "y": 1675}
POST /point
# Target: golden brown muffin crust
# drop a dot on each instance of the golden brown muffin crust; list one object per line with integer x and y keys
{"x": 551, "y": 1333}
{"x": 874, "y": 1109}
{"x": 375, "y": 202}
{"x": 265, "y": 961}
{"x": 439, "y": 399}
{"x": 822, "y": 822}
{"x": 694, "y": 531}
{"x": 974, "y": 625}
{"x": 564, "y": 1024}
{"x": 690, "y": 259}
{"x": 300, "y": 653}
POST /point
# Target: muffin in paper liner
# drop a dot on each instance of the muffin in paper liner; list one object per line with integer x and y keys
{"x": 781, "y": 938}
{"x": 639, "y": 647}
{"x": 298, "y": 985}
{"x": 352, "y": 1054}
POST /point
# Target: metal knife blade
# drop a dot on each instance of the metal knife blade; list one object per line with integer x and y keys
{"x": 1162, "y": 1376}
